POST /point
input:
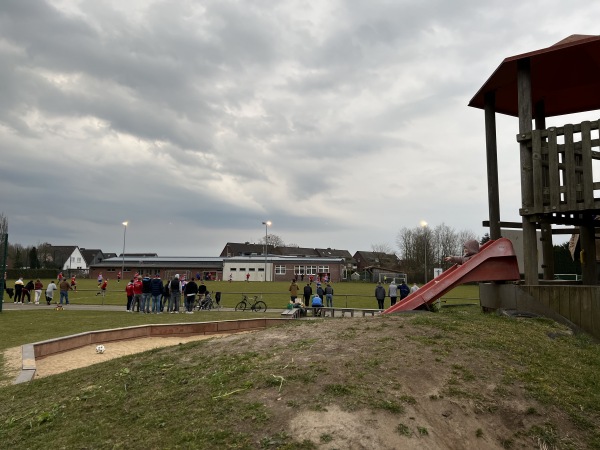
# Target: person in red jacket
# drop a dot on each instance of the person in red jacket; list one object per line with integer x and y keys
{"x": 103, "y": 288}
{"x": 138, "y": 289}
{"x": 129, "y": 292}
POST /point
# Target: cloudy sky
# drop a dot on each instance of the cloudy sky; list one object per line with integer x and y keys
{"x": 340, "y": 121}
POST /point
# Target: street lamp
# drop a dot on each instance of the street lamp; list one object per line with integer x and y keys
{"x": 267, "y": 224}
{"x": 123, "y": 255}
{"x": 424, "y": 226}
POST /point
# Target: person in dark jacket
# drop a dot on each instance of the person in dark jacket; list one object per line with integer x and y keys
{"x": 146, "y": 293}
{"x": 404, "y": 290}
{"x": 156, "y": 289}
{"x": 190, "y": 291}
{"x": 380, "y": 295}
{"x": 320, "y": 291}
{"x": 307, "y": 293}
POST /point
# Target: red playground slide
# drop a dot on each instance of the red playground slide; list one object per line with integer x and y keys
{"x": 496, "y": 261}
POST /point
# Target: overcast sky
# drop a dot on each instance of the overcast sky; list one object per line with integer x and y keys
{"x": 340, "y": 121}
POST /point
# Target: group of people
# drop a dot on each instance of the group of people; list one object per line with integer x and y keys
{"x": 394, "y": 291}
{"x": 22, "y": 291}
{"x": 151, "y": 295}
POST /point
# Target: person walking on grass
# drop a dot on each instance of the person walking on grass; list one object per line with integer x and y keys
{"x": 380, "y": 295}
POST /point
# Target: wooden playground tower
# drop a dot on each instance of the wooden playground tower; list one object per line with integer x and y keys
{"x": 557, "y": 181}
{"x": 557, "y": 177}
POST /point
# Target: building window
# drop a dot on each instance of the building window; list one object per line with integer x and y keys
{"x": 78, "y": 260}
{"x": 311, "y": 270}
{"x": 279, "y": 270}
{"x": 242, "y": 269}
{"x": 233, "y": 269}
{"x": 323, "y": 269}
{"x": 252, "y": 269}
{"x": 261, "y": 269}
{"x": 299, "y": 270}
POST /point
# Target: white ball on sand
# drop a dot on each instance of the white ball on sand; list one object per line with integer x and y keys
{"x": 100, "y": 348}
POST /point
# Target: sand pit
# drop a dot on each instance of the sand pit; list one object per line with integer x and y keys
{"x": 86, "y": 356}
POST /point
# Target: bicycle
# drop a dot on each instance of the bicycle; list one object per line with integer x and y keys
{"x": 254, "y": 304}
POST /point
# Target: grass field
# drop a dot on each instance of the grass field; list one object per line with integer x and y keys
{"x": 242, "y": 392}
{"x": 275, "y": 294}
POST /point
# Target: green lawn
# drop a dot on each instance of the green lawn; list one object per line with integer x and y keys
{"x": 275, "y": 294}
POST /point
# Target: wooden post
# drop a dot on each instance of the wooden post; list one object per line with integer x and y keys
{"x": 491, "y": 149}
{"x": 546, "y": 227}
{"x": 587, "y": 240}
{"x": 525, "y": 118}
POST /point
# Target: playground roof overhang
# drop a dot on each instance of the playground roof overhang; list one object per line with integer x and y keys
{"x": 565, "y": 76}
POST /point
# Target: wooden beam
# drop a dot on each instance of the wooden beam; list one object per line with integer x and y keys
{"x": 491, "y": 149}
{"x": 525, "y": 117}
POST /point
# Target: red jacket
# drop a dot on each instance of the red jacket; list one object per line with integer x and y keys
{"x": 137, "y": 286}
{"x": 129, "y": 290}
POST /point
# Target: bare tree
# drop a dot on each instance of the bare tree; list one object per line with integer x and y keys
{"x": 423, "y": 248}
{"x": 272, "y": 240}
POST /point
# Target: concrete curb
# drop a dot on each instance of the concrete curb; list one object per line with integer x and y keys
{"x": 29, "y": 352}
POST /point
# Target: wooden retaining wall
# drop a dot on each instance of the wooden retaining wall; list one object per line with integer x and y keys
{"x": 31, "y": 352}
{"x": 570, "y": 304}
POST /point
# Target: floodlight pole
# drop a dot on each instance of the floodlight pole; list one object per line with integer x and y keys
{"x": 123, "y": 255}
{"x": 266, "y": 224}
{"x": 424, "y": 226}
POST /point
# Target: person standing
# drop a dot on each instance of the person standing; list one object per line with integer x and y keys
{"x": 129, "y": 292}
{"x": 248, "y": 277}
{"x": 137, "y": 293}
{"x": 146, "y": 294}
{"x": 38, "y": 286}
{"x": 329, "y": 295}
{"x": 119, "y": 276}
{"x": 50, "y": 291}
{"x": 201, "y": 290}
{"x": 393, "y": 292}
{"x": 320, "y": 291}
{"x": 19, "y": 290}
{"x": 404, "y": 290}
{"x": 307, "y": 293}
{"x": 27, "y": 291}
{"x": 156, "y": 287}
{"x": 380, "y": 295}
{"x": 65, "y": 287}
{"x": 190, "y": 291}
{"x": 73, "y": 283}
{"x": 175, "y": 288}
{"x": 99, "y": 279}
{"x": 293, "y": 290}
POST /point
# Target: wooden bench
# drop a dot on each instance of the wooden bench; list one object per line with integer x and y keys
{"x": 291, "y": 313}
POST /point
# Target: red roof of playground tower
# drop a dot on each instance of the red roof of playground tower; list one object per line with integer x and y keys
{"x": 566, "y": 76}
